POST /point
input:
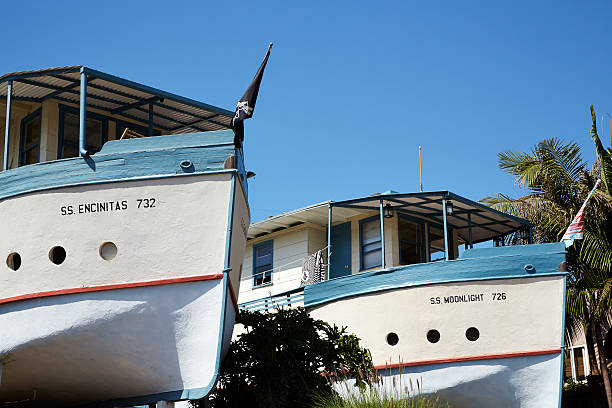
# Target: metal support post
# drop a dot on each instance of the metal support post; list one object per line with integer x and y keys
{"x": 445, "y": 227}
{"x": 329, "y": 227}
{"x": 382, "y": 234}
{"x": 530, "y": 235}
{"x": 7, "y": 128}
{"x": 83, "y": 115}
{"x": 469, "y": 214}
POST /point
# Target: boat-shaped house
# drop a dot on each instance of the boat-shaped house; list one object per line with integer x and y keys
{"x": 124, "y": 217}
{"x": 481, "y": 326}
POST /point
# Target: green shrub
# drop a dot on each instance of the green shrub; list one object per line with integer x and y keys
{"x": 280, "y": 360}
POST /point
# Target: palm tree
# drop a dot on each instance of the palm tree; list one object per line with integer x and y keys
{"x": 557, "y": 181}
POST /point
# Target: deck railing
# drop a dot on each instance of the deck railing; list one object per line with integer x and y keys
{"x": 290, "y": 298}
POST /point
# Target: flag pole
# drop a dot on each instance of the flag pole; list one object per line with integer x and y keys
{"x": 420, "y": 170}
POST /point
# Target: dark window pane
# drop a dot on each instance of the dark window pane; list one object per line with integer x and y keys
{"x": 263, "y": 264}
{"x": 71, "y": 128}
{"x": 411, "y": 245}
{"x": 567, "y": 366}
{"x": 31, "y": 156}
{"x": 94, "y": 135}
{"x": 436, "y": 244}
{"x": 70, "y": 151}
{"x": 579, "y": 362}
{"x": 30, "y": 142}
{"x": 32, "y": 132}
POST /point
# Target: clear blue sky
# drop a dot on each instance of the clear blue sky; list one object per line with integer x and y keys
{"x": 351, "y": 89}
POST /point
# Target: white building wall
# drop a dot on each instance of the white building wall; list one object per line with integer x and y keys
{"x": 289, "y": 248}
{"x": 19, "y": 110}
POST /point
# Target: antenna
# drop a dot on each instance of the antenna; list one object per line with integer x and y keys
{"x": 420, "y": 170}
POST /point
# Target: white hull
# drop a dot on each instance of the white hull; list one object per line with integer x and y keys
{"x": 112, "y": 344}
{"x": 149, "y": 324}
{"x": 516, "y": 382}
{"x": 477, "y": 339}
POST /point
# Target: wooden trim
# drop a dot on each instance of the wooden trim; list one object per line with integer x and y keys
{"x": 103, "y": 288}
{"x": 468, "y": 358}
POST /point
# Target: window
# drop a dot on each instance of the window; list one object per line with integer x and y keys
{"x": 30, "y": 139}
{"x": 436, "y": 243}
{"x": 411, "y": 240}
{"x": 262, "y": 263}
{"x": 575, "y": 364}
{"x": 370, "y": 243}
{"x": 96, "y": 133}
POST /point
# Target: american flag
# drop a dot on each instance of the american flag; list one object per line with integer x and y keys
{"x": 576, "y": 228}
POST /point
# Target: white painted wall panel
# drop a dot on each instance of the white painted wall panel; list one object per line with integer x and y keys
{"x": 184, "y": 235}
{"x": 289, "y": 249}
{"x": 529, "y": 319}
{"x": 241, "y": 223}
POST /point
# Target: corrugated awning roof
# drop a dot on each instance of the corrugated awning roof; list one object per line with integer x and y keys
{"x": 486, "y": 222}
{"x": 172, "y": 113}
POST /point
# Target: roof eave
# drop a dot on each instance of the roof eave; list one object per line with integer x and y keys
{"x": 155, "y": 91}
{"x": 32, "y": 74}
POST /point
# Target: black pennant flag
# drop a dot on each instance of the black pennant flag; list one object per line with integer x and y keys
{"x": 246, "y": 105}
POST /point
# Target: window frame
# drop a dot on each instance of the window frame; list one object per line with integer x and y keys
{"x": 254, "y": 273}
{"x": 585, "y": 362}
{"x": 425, "y": 243}
{"x": 451, "y": 250}
{"x": 361, "y": 253}
{"x": 63, "y": 109}
{"x": 37, "y": 114}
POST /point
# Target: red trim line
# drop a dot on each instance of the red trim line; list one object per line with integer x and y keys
{"x": 110, "y": 287}
{"x": 469, "y": 358}
{"x": 232, "y": 294}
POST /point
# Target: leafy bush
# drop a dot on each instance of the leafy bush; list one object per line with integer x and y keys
{"x": 575, "y": 387}
{"x": 280, "y": 360}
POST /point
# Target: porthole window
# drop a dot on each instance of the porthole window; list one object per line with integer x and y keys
{"x": 13, "y": 261}
{"x": 392, "y": 339}
{"x": 433, "y": 336}
{"x": 472, "y": 334}
{"x": 108, "y": 251}
{"x": 57, "y": 255}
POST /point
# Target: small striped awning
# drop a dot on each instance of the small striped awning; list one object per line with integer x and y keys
{"x": 171, "y": 113}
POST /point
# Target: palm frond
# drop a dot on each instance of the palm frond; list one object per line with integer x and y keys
{"x": 603, "y": 155}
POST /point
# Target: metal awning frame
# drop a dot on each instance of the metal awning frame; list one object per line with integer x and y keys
{"x": 79, "y": 87}
{"x": 434, "y": 197}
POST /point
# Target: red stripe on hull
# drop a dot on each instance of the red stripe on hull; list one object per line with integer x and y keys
{"x": 103, "y": 288}
{"x": 232, "y": 295}
{"x": 469, "y": 358}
